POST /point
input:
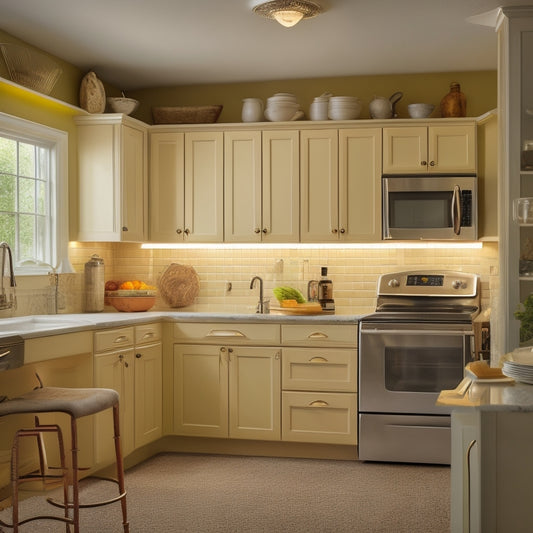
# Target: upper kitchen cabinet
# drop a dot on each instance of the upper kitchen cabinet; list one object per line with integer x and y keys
{"x": 186, "y": 186}
{"x": 261, "y": 180}
{"x": 447, "y": 148}
{"x": 112, "y": 159}
{"x": 340, "y": 185}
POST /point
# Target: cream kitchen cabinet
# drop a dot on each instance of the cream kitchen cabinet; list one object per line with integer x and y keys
{"x": 447, "y": 148}
{"x": 186, "y": 186}
{"x": 340, "y": 185}
{"x": 129, "y": 360}
{"x": 223, "y": 387}
{"x": 319, "y": 382}
{"x": 112, "y": 173}
{"x": 491, "y": 474}
{"x": 261, "y": 181}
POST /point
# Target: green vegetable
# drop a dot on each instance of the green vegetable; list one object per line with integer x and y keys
{"x": 288, "y": 293}
{"x": 525, "y": 315}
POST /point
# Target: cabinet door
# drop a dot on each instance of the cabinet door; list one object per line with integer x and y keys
{"x": 319, "y": 186}
{"x": 254, "y": 393}
{"x": 167, "y": 187}
{"x": 242, "y": 186}
{"x": 204, "y": 187}
{"x": 148, "y": 394}
{"x": 405, "y": 150}
{"x": 452, "y": 148}
{"x": 360, "y": 184}
{"x": 134, "y": 184}
{"x": 114, "y": 370}
{"x": 281, "y": 186}
{"x": 201, "y": 391}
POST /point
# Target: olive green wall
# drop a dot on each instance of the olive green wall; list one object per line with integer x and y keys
{"x": 480, "y": 88}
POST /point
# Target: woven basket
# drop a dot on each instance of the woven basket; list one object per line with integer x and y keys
{"x": 205, "y": 114}
{"x": 179, "y": 285}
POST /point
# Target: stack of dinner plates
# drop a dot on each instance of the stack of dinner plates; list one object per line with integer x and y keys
{"x": 518, "y": 365}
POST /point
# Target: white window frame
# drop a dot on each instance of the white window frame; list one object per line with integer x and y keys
{"x": 58, "y": 141}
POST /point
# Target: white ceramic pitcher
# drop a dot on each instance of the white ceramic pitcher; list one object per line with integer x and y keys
{"x": 252, "y": 110}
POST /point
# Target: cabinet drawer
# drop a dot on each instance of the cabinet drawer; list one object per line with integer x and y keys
{"x": 319, "y": 335}
{"x": 113, "y": 339}
{"x": 325, "y": 417}
{"x": 147, "y": 333}
{"x": 319, "y": 369}
{"x": 227, "y": 333}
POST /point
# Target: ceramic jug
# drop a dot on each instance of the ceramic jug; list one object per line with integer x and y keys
{"x": 382, "y": 107}
{"x": 252, "y": 110}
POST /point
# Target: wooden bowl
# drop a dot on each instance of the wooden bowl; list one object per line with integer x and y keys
{"x": 131, "y": 304}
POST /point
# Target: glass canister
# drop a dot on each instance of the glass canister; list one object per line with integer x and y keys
{"x": 94, "y": 285}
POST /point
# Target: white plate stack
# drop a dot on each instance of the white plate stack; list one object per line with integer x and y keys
{"x": 344, "y": 108}
{"x": 282, "y": 107}
{"x": 519, "y": 365}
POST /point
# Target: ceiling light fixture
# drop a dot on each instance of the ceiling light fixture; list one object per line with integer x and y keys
{"x": 288, "y": 12}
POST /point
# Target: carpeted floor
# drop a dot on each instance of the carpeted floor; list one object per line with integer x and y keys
{"x": 212, "y": 493}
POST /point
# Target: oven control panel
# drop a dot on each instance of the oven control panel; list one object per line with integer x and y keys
{"x": 429, "y": 283}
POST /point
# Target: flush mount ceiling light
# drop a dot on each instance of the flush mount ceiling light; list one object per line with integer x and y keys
{"x": 288, "y": 12}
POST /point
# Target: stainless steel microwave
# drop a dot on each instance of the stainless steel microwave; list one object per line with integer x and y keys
{"x": 429, "y": 207}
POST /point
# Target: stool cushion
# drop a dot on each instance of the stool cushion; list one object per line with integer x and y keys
{"x": 75, "y": 402}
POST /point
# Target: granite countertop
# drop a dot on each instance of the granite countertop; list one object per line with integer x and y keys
{"x": 485, "y": 396}
{"x": 43, "y": 325}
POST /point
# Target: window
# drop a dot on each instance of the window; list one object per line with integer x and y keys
{"x": 33, "y": 194}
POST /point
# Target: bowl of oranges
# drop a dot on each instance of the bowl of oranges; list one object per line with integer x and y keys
{"x": 130, "y": 296}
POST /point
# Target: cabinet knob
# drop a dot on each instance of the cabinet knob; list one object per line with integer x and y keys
{"x": 138, "y": 355}
{"x": 335, "y": 230}
{"x": 187, "y": 231}
{"x": 257, "y": 230}
{"x": 343, "y": 230}
{"x": 265, "y": 230}
{"x": 432, "y": 164}
{"x": 124, "y": 228}
{"x": 178, "y": 231}
{"x": 424, "y": 163}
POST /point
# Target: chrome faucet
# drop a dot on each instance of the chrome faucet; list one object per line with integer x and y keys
{"x": 4, "y": 302}
{"x": 260, "y": 305}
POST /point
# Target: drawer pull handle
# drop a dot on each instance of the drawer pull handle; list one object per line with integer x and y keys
{"x": 319, "y": 403}
{"x": 318, "y": 360}
{"x": 148, "y": 335}
{"x": 225, "y": 333}
{"x": 122, "y": 338}
{"x": 317, "y": 335}
{"x": 5, "y": 353}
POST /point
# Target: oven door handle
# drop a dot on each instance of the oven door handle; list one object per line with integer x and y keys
{"x": 390, "y": 331}
{"x": 385, "y": 209}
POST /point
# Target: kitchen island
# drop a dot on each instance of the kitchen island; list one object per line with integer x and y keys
{"x": 492, "y": 463}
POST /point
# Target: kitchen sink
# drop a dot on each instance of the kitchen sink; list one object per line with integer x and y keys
{"x": 38, "y": 323}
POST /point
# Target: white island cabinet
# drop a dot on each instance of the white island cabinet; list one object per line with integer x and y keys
{"x": 492, "y": 463}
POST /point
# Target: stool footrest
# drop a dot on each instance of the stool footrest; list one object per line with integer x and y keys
{"x": 41, "y": 517}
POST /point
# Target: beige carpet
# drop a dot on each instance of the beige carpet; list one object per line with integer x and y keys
{"x": 209, "y": 493}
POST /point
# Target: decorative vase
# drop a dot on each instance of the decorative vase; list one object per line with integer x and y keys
{"x": 454, "y": 103}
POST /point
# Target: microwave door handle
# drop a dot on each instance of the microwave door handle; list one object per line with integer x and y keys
{"x": 385, "y": 208}
{"x": 456, "y": 210}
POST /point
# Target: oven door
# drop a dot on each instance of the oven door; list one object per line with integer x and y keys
{"x": 429, "y": 207}
{"x": 403, "y": 367}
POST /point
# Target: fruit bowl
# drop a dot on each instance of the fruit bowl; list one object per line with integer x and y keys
{"x": 131, "y": 304}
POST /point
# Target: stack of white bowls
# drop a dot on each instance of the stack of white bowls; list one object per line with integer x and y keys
{"x": 319, "y": 107}
{"x": 282, "y": 107}
{"x": 344, "y": 108}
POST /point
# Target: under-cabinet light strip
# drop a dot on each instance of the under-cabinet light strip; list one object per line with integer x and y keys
{"x": 314, "y": 246}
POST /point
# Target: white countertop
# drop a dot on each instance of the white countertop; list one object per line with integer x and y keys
{"x": 483, "y": 396}
{"x": 42, "y": 325}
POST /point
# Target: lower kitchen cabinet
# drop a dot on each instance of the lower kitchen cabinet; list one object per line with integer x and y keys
{"x": 129, "y": 360}
{"x": 227, "y": 391}
{"x": 319, "y": 381}
{"x": 492, "y": 471}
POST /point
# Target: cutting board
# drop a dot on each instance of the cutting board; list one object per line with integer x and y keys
{"x": 300, "y": 309}
{"x": 179, "y": 285}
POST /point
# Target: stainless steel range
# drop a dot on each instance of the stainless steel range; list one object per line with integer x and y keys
{"x": 416, "y": 343}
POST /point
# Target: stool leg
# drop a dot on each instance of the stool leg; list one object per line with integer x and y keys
{"x": 120, "y": 467}
{"x": 75, "y": 487}
{"x": 15, "y": 482}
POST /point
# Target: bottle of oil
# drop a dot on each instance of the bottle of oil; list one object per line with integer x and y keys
{"x": 325, "y": 291}
{"x": 94, "y": 285}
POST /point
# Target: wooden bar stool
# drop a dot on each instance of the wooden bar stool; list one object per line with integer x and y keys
{"x": 76, "y": 403}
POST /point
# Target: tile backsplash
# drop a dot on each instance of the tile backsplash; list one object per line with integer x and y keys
{"x": 225, "y": 274}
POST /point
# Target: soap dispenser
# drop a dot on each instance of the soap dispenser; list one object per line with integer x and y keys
{"x": 325, "y": 292}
